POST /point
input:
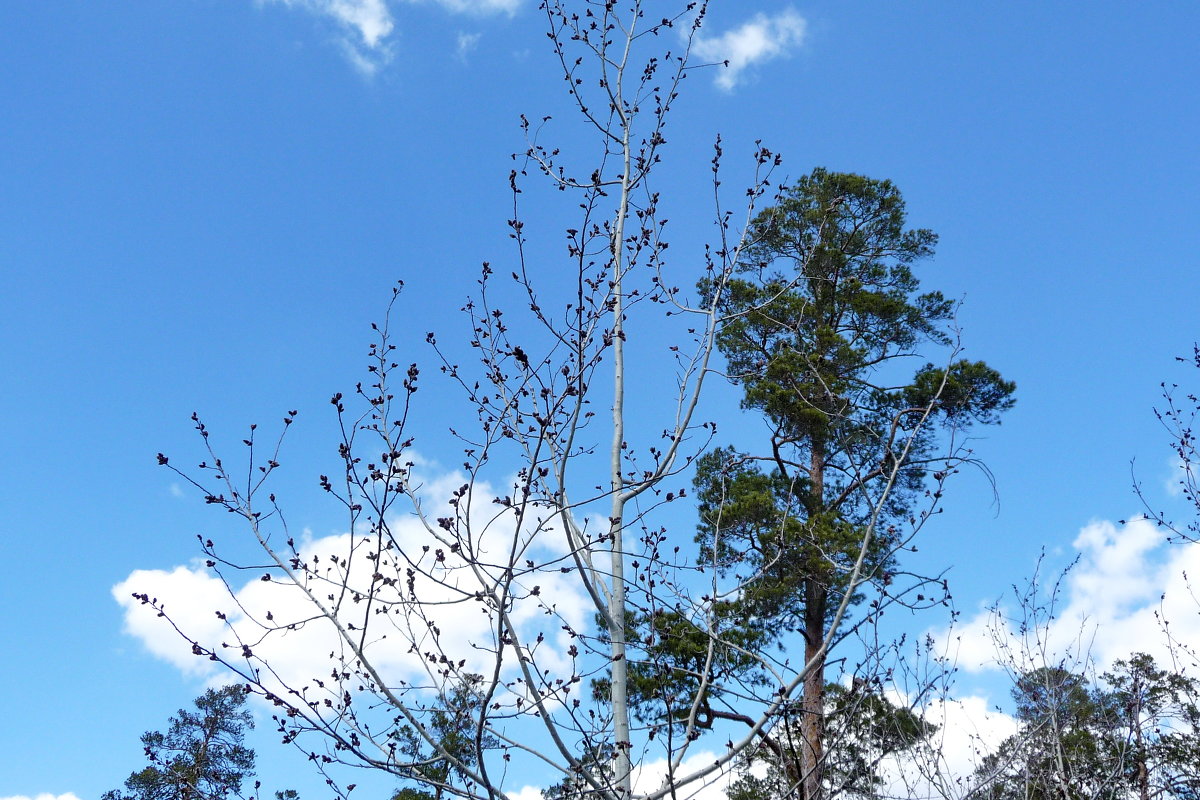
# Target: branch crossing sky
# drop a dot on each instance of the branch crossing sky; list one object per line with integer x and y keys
{"x": 203, "y": 203}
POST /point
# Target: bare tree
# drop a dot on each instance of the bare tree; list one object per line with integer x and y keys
{"x": 1085, "y": 732}
{"x": 1178, "y": 417}
{"x": 455, "y": 660}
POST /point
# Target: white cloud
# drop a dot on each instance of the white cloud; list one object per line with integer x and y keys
{"x": 191, "y": 597}
{"x": 283, "y": 628}
{"x": 466, "y": 43}
{"x": 942, "y": 766}
{"x": 366, "y": 27}
{"x": 652, "y": 775}
{"x": 367, "y": 62}
{"x": 1180, "y": 477}
{"x": 371, "y": 19}
{"x": 42, "y": 796}
{"x": 1116, "y": 575}
{"x": 480, "y": 6}
{"x": 1129, "y": 579}
{"x": 760, "y": 39}
{"x": 972, "y": 643}
{"x": 526, "y": 793}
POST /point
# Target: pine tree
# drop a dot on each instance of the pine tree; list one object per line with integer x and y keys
{"x": 200, "y": 757}
{"x": 824, "y": 314}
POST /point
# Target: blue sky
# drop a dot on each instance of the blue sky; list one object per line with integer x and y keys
{"x": 203, "y": 204}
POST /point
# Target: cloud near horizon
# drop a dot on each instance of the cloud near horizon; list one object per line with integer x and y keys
{"x": 284, "y": 627}
{"x": 1128, "y": 581}
{"x": 650, "y": 774}
{"x": 761, "y": 38}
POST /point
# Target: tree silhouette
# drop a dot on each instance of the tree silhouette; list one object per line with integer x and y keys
{"x": 201, "y": 756}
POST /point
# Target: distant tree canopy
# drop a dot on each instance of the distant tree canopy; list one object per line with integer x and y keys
{"x": 201, "y": 756}
{"x": 1137, "y": 735}
{"x": 452, "y": 728}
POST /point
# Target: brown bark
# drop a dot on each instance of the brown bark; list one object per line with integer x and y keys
{"x": 812, "y": 701}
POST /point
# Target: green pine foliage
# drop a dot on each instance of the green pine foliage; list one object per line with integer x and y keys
{"x": 201, "y": 756}
{"x": 831, "y": 338}
{"x": 452, "y": 726}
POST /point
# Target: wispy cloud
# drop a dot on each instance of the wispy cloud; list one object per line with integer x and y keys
{"x": 1128, "y": 582}
{"x": 481, "y": 6}
{"x": 652, "y": 774}
{"x": 1181, "y": 477}
{"x": 466, "y": 43}
{"x": 42, "y": 796}
{"x": 965, "y": 730}
{"x": 762, "y": 38}
{"x": 366, "y": 28}
{"x": 298, "y": 645}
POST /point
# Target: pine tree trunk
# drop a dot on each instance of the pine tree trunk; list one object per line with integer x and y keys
{"x": 812, "y": 703}
{"x": 816, "y": 596}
